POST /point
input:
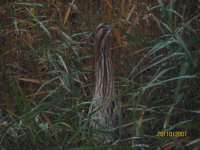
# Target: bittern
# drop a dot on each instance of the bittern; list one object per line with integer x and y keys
{"x": 105, "y": 106}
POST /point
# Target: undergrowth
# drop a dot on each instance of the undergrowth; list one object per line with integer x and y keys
{"x": 47, "y": 77}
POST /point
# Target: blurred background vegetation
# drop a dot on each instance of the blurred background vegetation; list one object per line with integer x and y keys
{"x": 47, "y": 73}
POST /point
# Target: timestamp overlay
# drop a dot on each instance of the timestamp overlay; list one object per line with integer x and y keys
{"x": 171, "y": 133}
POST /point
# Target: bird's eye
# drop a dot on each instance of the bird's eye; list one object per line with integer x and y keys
{"x": 105, "y": 29}
{"x": 102, "y": 27}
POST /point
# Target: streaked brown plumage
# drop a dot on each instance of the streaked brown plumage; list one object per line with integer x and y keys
{"x": 105, "y": 106}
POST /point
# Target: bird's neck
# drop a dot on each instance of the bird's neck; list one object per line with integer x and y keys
{"x": 104, "y": 74}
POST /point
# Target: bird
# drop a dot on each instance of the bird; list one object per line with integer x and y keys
{"x": 105, "y": 106}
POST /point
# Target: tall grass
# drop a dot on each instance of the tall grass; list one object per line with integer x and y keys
{"x": 47, "y": 79}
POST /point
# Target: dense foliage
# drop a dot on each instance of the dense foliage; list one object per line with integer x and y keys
{"x": 47, "y": 74}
